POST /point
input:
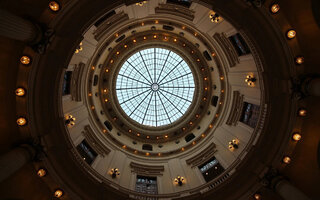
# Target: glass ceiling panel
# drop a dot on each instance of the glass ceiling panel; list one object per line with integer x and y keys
{"x": 155, "y": 87}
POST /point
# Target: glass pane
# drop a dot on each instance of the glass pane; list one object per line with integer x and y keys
{"x": 155, "y": 87}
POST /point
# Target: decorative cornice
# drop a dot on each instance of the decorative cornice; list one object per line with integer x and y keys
{"x": 95, "y": 142}
{"x": 109, "y": 24}
{"x": 202, "y": 157}
{"x": 227, "y": 47}
{"x": 175, "y": 10}
{"x": 76, "y": 81}
{"x": 236, "y": 108}
{"x": 147, "y": 170}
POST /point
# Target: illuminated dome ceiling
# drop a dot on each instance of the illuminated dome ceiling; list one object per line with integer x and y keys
{"x": 162, "y": 91}
{"x": 159, "y": 90}
{"x": 155, "y": 87}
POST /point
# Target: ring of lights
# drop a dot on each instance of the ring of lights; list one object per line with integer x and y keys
{"x": 194, "y": 107}
{"x": 58, "y": 132}
{"x": 188, "y": 50}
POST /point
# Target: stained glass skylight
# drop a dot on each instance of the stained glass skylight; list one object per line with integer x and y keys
{"x": 155, "y": 87}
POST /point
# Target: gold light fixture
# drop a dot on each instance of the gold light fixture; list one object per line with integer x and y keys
{"x": 296, "y": 136}
{"x": 179, "y": 180}
{"x": 286, "y": 159}
{"x": 215, "y": 17}
{"x": 275, "y": 8}
{"x": 41, "y": 172}
{"x": 141, "y": 3}
{"x": 21, "y": 121}
{"x": 25, "y": 60}
{"x": 20, "y": 92}
{"x": 234, "y": 144}
{"x": 299, "y": 60}
{"x": 114, "y": 172}
{"x": 58, "y": 193}
{"x": 257, "y": 196}
{"x": 250, "y": 80}
{"x": 302, "y": 112}
{"x": 79, "y": 48}
{"x": 291, "y": 34}
{"x": 70, "y": 120}
{"x": 54, "y": 6}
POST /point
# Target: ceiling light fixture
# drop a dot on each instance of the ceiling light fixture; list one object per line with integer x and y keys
{"x": 215, "y": 17}
{"x": 58, "y": 193}
{"x": 20, "y": 92}
{"x": 275, "y": 8}
{"x": 286, "y": 159}
{"x": 250, "y": 80}
{"x": 114, "y": 172}
{"x": 21, "y": 121}
{"x": 41, "y": 172}
{"x": 234, "y": 144}
{"x": 25, "y": 60}
{"x": 54, "y": 6}
{"x": 302, "y": 112}
{"x": 179, "y": 180}
{"x": 296, "y": 136}
{"x": 70, "y": 121}
{"x": 299, "y": 60}
{"x": 291, "y": 34}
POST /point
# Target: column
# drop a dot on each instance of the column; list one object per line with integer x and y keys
{"x": 313, "y": 87}
{"x": 17, "y": 28}
{"x": 287, "y": 191}
{"x": 14, "y": 160}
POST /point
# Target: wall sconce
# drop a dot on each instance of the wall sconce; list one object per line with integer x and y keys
{"x": 54, "y": 6}
{"x": 114, "y": 172}
{"x": 70, "y": 120}
{"x": 302, "y": 112}
{"x": 296, "y": 136}
{"x": 257, "y": 196}
{"x": 141, "y": 3}
{"x": 286, "y": 160}
{"x": 275, "y": 8}
{"x": 20, "y": 92}
{"x": 250, "y": 80}
{"x": 25, "y": 60}
{"x": 79, "y": 48}
{"x": 58, "y": 193}
{"x": 179, "y": 180}
{"x": 21, "y": 121}
{"x": 234, "y": 144}
{"x": 215, "y": 17}
{"x": 41, "y": 172}
{"x": 291, "y": 34}
{"x": 299, "y": 60}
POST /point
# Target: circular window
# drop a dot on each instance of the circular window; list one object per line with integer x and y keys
{"x": 155, "y": 87}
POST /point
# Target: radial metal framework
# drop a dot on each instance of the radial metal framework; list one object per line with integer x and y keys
{"x": 155, "y": 87}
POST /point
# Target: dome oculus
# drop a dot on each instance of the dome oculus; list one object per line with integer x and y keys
{"x": 155, "y": 87}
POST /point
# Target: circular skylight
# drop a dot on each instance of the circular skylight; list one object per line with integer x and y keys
{"x": 155, "y": 87}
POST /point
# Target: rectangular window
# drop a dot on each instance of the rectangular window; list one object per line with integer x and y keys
{"x": 86, "y": 152}
{"x": 250, "y": 114}
{"x": 66, "y": 83}
{"x": 147, "y": 185}
{"x": 211, "y": 169}
{"x": 186, "y": 3}
{"x": 239, "y": 44}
